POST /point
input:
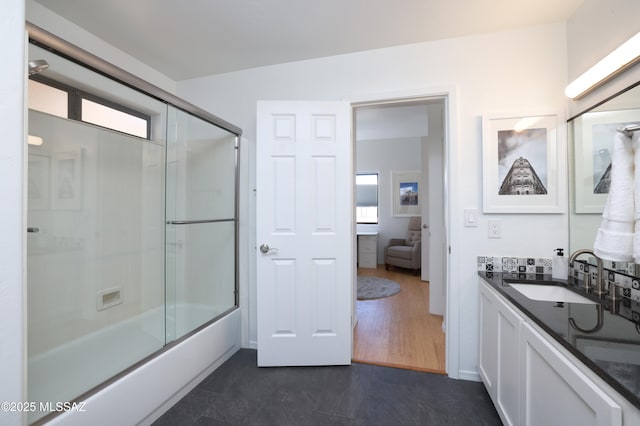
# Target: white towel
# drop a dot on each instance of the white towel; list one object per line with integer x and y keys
{"x": 615, "y": 237}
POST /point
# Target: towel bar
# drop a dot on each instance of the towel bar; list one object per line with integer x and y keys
{"x": 628, "y": 129}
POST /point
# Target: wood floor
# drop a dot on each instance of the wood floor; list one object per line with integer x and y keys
{"x": 398, "y": 331}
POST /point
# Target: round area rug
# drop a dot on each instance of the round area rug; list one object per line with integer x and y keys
{"x": 376, "y": 288}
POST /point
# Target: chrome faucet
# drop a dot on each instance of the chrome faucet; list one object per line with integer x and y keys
{"x": 599, "y": 288}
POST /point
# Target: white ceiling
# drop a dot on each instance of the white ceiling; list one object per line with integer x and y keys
{"x": 188, "y": 39}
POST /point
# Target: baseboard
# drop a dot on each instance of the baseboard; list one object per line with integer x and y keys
{"x": 253, "y": 345}
{"x": 471, "y": 376}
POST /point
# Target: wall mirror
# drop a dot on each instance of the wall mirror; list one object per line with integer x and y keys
{"x": 591, "y": 136}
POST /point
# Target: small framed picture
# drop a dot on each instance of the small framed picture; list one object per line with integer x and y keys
{"x": 38, "y": 183}
{"x": 66, "y": 181}
{"x": 405, "y": 192}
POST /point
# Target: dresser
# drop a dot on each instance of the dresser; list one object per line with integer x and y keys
{"x": 368, "y": 249}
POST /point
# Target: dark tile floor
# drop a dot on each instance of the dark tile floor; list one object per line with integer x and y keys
{"x": 240, "y": 393}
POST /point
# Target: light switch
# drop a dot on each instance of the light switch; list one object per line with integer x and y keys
{"x": 471, "y": 217}
{"x": 495, "y": 228}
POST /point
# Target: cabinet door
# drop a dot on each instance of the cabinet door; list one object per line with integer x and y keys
{"x": 554, "y": 391}
{"x": 367, "y": 251}
{"x": 488, "y": 340}
{"x": 367, "y": 243}
{"x": 498, "y": 362}
{"x": 508, "y": 385}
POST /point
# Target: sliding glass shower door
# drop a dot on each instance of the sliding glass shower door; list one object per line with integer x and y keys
{"x": 201, "y": 223}
{"x": 131, "y": 229}
{"x": 101, "y": 230}
{"x": 95, "y": 240}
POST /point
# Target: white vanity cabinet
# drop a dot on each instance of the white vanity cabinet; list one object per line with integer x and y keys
{"x": 556, "y": 392}
{"x": 498, "y": 361}
{"x": 532, "y": 380}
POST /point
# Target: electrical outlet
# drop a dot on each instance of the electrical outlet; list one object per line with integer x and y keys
{"x": 495, "y": 229}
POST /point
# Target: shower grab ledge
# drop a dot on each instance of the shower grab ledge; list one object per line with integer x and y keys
{"x": 189, "y": 222}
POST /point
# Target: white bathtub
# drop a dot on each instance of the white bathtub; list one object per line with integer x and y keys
{"x": 145, "y": 393}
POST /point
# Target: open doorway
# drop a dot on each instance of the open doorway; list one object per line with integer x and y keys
{"x": 402, "y": 142}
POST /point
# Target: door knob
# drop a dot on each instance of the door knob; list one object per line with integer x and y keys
{"x": 264, "y": 248}
{"x": 425, "y": 226}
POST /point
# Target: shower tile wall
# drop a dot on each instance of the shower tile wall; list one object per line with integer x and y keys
{"x": 99, "y": 218}
{"x": 95, "y": 299}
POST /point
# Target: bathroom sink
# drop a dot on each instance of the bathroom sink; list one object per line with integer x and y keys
{"x": 550, "y": 293}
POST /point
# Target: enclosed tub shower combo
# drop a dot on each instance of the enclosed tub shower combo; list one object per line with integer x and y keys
{"x": 132, "y": 219}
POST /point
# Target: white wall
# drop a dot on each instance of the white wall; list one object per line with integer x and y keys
{"x": 384, "y": 156}
{"x": 12, "y": 325}
{"x": 508, "y": 72}
{"x": 595, "y": 29}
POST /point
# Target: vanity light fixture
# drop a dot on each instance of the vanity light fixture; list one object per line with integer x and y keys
{"x": 627, "y": 54}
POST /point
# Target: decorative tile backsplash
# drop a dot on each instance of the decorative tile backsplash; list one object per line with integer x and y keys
{"x": 630, "y": 309}
{"x": 629, "y": 285}
{"x": 522, "y": 265}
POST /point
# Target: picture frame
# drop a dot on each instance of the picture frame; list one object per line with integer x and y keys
{"x": 595, "y": 131}
{"x": 38, "y": 182}
{"x": 66, "y": 181}
{"x": 520, "y": 164}
{"x": 405, "y": 193}
{"x": 619, "y": 358}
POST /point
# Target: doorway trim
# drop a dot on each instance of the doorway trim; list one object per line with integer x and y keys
{"x": 449, "y": 94}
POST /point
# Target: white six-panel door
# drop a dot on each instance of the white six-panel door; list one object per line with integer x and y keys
{"x": 304, "y": 233}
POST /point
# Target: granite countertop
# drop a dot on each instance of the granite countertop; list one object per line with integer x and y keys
{"x": 611, "y": 348}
